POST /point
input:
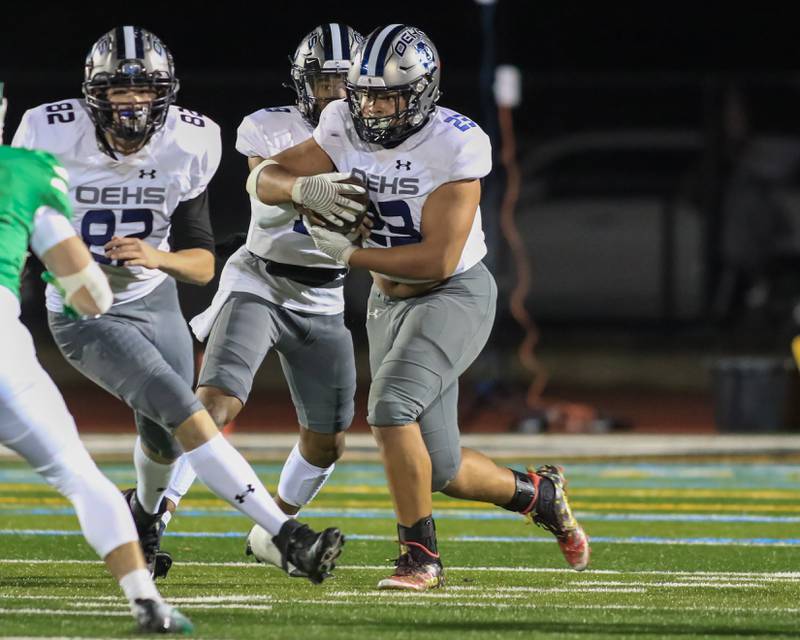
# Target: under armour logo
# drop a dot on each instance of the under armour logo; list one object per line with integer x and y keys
{"x": 241, "y": 496}
{"x": 373, "y": 314}
{"x": 151, "y": 173}
{"x": 403, "y": 165}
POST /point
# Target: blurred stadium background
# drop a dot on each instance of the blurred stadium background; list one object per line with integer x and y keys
{"x": 643, "y": 216}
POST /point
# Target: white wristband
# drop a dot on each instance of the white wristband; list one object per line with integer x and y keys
{"x": 252, "y": 179}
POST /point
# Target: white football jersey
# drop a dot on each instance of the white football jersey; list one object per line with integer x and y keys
{"x": 449, "y": 147}
{"x": 266, "y": 133}
{"x": 133, "y": 195}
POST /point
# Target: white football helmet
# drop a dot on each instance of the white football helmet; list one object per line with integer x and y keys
{"x": 320, "y": 65}
{"x": 129, "y": 57}
{"x": 398, "y": 63}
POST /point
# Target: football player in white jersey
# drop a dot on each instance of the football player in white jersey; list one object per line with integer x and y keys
{"x": 140, "y": 169}
{"x": 432, "y": 303}
{"x": 35, "y": 212}
{"x": 278, "y": 291}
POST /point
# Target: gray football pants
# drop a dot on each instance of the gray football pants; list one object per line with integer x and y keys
{"x": 418, "y": 349}
{"x": 140, "y": 352}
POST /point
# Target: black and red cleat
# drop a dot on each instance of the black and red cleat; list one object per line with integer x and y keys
{"x": 550, "y": 510}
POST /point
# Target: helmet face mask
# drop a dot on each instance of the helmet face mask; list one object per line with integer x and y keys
{"x": 315, "y": 89}
{"x": 393, "y": 85}
{"x": 129, "y": 85}
{"x": 319, "y": 67}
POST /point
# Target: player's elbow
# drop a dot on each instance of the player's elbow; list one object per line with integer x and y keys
{"x": 206, "y": 271}
{"x": 443, "y": 267}
{"x": 206, "y": 277}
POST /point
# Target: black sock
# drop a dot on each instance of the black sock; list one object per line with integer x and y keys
{"x": 420, "y": 539}
{"x": 524, "y": 495}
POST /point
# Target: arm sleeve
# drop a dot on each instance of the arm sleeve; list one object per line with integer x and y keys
{"x": 191, "y": 225}
{"x": 49, "y": 228}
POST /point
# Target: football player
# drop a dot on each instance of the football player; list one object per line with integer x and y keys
{"x": 35, "y": 211}
{"x": 432, "y": 303}
{"x": 140, "y": 168}
{"x": 278, "y": 291}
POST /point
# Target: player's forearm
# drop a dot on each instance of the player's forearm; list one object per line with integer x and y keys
{"x": 195, "y": 266}
{"x": 420, "y": 261}
{"x": 274, "y": 185}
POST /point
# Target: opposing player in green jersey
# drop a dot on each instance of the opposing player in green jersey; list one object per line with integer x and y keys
{"x": 34, "y": 421}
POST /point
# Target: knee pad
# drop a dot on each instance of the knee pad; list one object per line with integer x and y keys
{"x": 158, "y": 439}
{"x": 444, "y": 467}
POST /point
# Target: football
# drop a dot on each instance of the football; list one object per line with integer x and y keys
{"x": 347, "y": 227}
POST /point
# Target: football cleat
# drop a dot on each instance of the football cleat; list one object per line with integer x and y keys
{"x": 159, "y": 617}
{"x": 150, "y": 528}
{"x": 412, "y": 573}
{"x": 551, "y": 511}
{"x": 312, "y": 553}
{"x": 162, "y": 564}
{"x": 263, "y": 549}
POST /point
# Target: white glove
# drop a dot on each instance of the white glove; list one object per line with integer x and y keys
{"x": 326, "y": 197}
{"x": 332, "y": 244}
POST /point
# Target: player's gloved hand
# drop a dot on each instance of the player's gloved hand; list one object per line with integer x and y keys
{"x": 68, "y": 311}
{"x": 328, "y": 198}
{"x": 334, "y": 245}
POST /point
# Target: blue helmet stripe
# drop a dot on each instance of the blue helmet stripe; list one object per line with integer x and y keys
{"x": 378, "y": 46}
{"x": 384, "y": 50}
{"x": 368, "y": 52}
{"x": 120, "y": 38}
{"x": 344, "y": 41}
{"x": 139, "y": 42}
{"x": 327, "y": 42}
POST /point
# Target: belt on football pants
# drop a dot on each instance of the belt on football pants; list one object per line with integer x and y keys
{"x": 309, "y": 276}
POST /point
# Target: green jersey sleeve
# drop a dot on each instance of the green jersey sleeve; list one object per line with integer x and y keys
{"x": 55, "y": 193}
{"x": 29, "y": 180}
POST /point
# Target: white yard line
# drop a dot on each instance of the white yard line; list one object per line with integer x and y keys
{"x": 780, "y": 576}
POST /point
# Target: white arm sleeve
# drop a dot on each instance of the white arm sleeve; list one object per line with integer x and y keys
{"x": 49, "y": 228}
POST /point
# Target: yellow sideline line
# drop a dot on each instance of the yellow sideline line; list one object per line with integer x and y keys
{"x": 577, "y": 492}
{"x": 699, "y": 507}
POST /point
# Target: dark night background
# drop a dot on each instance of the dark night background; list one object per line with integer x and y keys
{"x": 599, "y": 67}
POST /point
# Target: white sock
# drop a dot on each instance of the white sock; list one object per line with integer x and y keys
{"x": 152, "y": 478}
{"x": 182, "y": 478}
{"x": 139, "y": 585}
{"x": 300, "y": 480}
{"x": 225, "y": 471}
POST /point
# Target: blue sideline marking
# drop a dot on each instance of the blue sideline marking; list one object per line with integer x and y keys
{"x": 756, "y": 542}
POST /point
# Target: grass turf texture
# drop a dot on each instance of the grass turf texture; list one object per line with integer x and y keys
{"x": 653, "y": 575}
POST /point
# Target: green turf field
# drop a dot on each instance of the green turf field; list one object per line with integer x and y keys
{"x": 685, "y": 550}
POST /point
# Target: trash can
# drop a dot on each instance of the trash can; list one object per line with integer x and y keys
{"x": 755, "y": 394}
